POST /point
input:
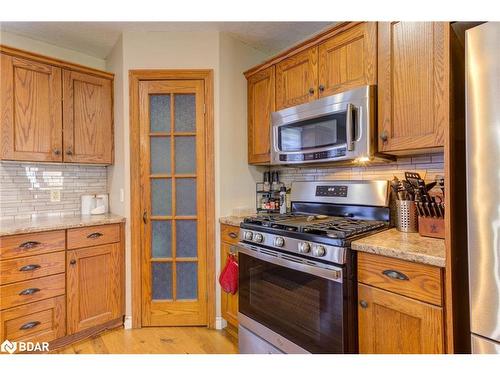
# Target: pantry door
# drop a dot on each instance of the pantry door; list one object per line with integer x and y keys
{"x": 172, "y": 162}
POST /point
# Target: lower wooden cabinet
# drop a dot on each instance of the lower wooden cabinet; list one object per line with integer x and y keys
{"x": 94, "y": 286}
{"x": 393, "y": 324}
{"x": 229, "y": 302}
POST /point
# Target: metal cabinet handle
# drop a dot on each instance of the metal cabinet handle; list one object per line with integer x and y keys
{"x": 29, "y": 291}
{"x": 384, "y": 136}
{"x": 321, "y": 88}
{"x": 29, "y": 325}
{"x": 95, "y": 235}
{"x": 363, "y": 304}
{"x": 57, "y": 151}
{"x": 145, "y": 217}
{"x": 393, "y": 274}
{"x": 72, "y": 262}
{"x": 69, "y": 152}
{"x": 233, "y": 235}
{"x": 349, "y": 127}
{"x": 29, "y": 244}
{"x": 311, "y": 91}
{"x": 29, "y": 267}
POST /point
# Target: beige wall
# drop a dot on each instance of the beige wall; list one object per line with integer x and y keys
{"x": 167, "y": 50}
{"x": 28, "y": 44}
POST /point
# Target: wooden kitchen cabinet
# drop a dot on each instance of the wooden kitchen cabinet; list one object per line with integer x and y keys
{"x": 31, "y": 116}
{"x": 348, "y": 60}
{"x": 88, "y": 121}
{"x": 297, "y": 79}
{"x": 229, "y": 302}
{"x": 54, "y": 111}
{"x": 393, "y": 324}
{"x": 94, "y": 286}
{"x": 399, "y": 306}
{"x": 413, "y": 86}
{"x": 260, "y": 106}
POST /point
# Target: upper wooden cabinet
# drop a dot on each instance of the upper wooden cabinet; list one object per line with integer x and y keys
{"x": 54, "y": 111}
{"x": 348, "y": 60}
{"x": 413, "y": 85}
{"x": 88, "y": 123}
{"x": 297, "y": 79}
{"x": 260, "y": 105}
{"x": 31, "y": 127}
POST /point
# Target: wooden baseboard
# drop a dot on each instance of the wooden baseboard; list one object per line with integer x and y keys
{"x": 232, "y": 330}
{"x": 71, "y": 339}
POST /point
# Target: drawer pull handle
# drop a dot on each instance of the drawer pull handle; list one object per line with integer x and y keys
{"x": 396, "y": 275}
{"x": 29, "y": 244}
{"x": 29, "y": 267}
{"x": 29, "y": 291}
{"x": 95, "y": 235}
{"x": 233, "y": 235}
{"x": 29, "y": 325}
{"x": 363, "y": 304}
{"x": 72, "y": 262}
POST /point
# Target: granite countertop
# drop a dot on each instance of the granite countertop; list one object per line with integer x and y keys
{"x": 406, "y": 246}
{"x": 232, "y": 220}
{"x": 46, "y": 223}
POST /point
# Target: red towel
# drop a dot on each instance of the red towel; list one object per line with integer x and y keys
{"x": 228, "y": 278}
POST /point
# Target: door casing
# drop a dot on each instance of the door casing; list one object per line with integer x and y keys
{"x": 135, "y": 76}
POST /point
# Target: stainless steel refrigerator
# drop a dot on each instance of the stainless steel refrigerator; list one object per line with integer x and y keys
{"x": 483, "y": 184}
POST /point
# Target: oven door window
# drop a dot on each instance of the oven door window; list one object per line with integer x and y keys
{"x": 322, "y": 132}
{"x": 305, "y": 309}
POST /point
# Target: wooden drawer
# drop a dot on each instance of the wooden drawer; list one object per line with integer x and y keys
{"x": 91, "y": 236}
{"x": 229, "y": 233}
{"x": 419, "y": 281}
{"x": 23, "y": 245}
{"x": 32, "y": 290}
{"x": 39, "y": 321}
{"x": 21, "y": 269}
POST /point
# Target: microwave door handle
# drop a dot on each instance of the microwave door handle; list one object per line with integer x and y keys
{"x": 349, "y": 128}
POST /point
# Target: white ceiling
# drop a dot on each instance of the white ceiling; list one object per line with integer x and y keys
{"x": 98, "y": 38}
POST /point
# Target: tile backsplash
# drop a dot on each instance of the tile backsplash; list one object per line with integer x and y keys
{"x": 427, "y": 165}
{"x": 25, "y": 188}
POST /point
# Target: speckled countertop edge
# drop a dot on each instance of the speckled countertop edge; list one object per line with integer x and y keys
{"x": 406, "y": 246}
{"x": 11, "y": 226}
{"x": 232, "y": 220}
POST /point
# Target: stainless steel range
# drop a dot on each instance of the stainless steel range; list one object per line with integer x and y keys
{"x": 297, "y": 274}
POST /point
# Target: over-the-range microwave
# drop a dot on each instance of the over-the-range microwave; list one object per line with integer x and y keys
{"x": 335, "y": 128}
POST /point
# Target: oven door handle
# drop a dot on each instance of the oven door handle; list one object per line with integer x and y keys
{"x": 334, "y": 274}
{"x": 349, "y": 127}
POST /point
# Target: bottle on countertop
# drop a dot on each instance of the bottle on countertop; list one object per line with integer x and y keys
{"x": 267, "y": 179}
{"x": 283, "y": 200}
{"x": 275, "y": 178}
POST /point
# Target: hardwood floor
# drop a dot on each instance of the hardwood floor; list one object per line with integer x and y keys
{"x": 156, "y": 340}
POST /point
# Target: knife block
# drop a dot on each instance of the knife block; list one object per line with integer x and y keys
{"x": 431, "y": 226}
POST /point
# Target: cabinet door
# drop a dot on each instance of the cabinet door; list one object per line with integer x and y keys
{"x": 94, "y": 286}
{"x": 413, "y": 85}
{"x": 229, "y": 302}
{"x": 297, "y": 79}
{"x": 88, "y": 122}
{"x": 348, "y": 60}
{"x": 260, "y": 105}
{"x": 393, "y": 324}
{"x": 30, "y": 104}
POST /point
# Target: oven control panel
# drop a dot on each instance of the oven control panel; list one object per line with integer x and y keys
{"x": 331, "y": 191}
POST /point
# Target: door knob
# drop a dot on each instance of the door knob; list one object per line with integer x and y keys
{"x": 321, "y": 88}
{"x": 383, "y": 136}
{"x": 72, "y": 262}
{"x": 363, "y": 304}
{"x": 57, "y": 151}
{"x": 311, "y": 91}
{"x": 69, "y": 152}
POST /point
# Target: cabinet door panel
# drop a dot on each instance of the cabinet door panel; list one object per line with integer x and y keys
{"x": 393, "y": 324}
{"x": 94, "y": 286}
{"x": 348, "y": 60}
{"x": 260, "y": 105}
{"x": 413, "y": 85}
{"x": 31, "y": 125}
{"x": 88, "y": 123}
{"x": 297, "y": 79}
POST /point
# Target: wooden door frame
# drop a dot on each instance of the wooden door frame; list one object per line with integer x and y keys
{"x": 135, "y": 76}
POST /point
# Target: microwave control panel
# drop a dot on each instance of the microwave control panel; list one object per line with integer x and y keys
{"x": 331, "y": 154}
{"x": 331, "y": 191}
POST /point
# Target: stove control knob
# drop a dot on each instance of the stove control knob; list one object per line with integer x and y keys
{"x": 304, "y": 247}
{"x": 319, "y": 251}
{"x": 248, "y": 236}
{"x": 258, "y": 237}
{"x": 279, "y": 241}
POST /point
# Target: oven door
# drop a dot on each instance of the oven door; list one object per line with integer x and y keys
{"x": 298, "y": 302}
